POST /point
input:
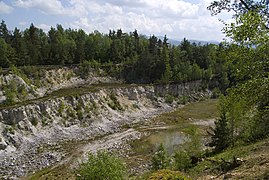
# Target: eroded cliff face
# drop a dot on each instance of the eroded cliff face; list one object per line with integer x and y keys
{"x": 80, "y": 114}
{"x": 59, "y": 117}
{"x": 19, "y": 85}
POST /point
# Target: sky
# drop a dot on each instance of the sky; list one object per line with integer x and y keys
{"x": 175, "y": 18}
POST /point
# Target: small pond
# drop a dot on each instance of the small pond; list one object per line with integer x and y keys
{"x": 171, "y": 137}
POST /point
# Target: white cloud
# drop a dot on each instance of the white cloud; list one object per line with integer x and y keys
{"x": 4, "y": 8}
{"x": 174, "y": 8}
{"x": 53, "y": 7}
{"x": 44, "y": 27}
{"x": 47, "y": 7}
{"x": 176, "y": 18}
{"x": 22, "y": 23}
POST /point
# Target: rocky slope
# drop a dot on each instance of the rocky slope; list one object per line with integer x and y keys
{"x": 37, "y": 133}
{"x": 32, "y": 82}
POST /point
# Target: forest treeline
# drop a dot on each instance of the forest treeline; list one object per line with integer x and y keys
{"x": 132, "y": 56}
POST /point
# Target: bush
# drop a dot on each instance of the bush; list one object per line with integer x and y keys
{"x": 61, "y": 108}
{"x": 102, "y": 166}
{"x": 182, "y": 160}
{"x": 10, "y": 97}
{"x": 34, "y": 121}
{"x": 22, "y": 92}
{"x": 30, "y": 71}
{"x": 71, "y": 112}
{"x": 169, "y": 98}
{"x": 10, "y": 130}
{"x": 216, "y": 93}
{"x": 86, "y": 67}
{"x": 114, "y": 103}
{"x": 166, "y": 174}
{"x": 80, "y": 114}
{"x": 11, "y": 92}
{"x": 194, "y": 146}
{"x": 183, "y": 99}
{"x": 160, "y": 159}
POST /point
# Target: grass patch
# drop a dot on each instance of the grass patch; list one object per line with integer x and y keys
{"x": 60, "y": 172}
{"x": 198, "y": 110}
{"x": 252, "y": 156}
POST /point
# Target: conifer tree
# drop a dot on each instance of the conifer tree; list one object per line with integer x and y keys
{"x": 220, "y": 139}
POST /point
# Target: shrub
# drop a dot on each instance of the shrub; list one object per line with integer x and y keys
{"x": 194, "y": 146}
{"x": 80, "y": 114}
{"x": 160, "y": 160}
{"x": 86, "y": 67}
{"x": 182, "y": 160}
{"x": 14, "y": 69}
{"x": 216, "y": 93}
{"x": 114, "y": 103}
{"x": 10, "y": 97}
{"x": 102, "y": 166}
{"x": 34, "y": 121}
{"x": 70, "y": 112}
{"x": 166, "y": 174}
{"x": 61, "y": 108}
{"x": 11, "y": 92}
{"x": 10, "y": 130}
{"x": 220, "y": 134}
{"x": 44, "y": 122}
{"x": 169, "y": 98}
{"x": 184, "y": 99}
{"x": 22, "y": 91}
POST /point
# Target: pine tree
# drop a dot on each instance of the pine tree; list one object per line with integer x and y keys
{"x": 220, "y": 139}
{"x": 160, "y": 160}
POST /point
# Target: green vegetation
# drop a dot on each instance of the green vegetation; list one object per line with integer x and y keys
{"x": 114, "y": 103}
{"x": 160, "y": 159}
{"x": 129, "y": 56}
{"x": 167, "y": 174}
{"x": 182, "y": 160}
{"x": 10, "y": 130}
{"x": 102, "y": 166}
{"x": 194, "y": 145}
{"x": 244, "y": 109}
{"x": 11, "y": 92}
{"x": 61, "y": 108}
{"x": 220, "y": 134}
{"x": 249, "y": 155}
{"x": 86, "y": 67}
{"x": 186, "y": 157}
{"x": 67, "y": 92}
{"x": 34, "y": 121}
{"x": 169, "y": 98}
{"x": 198, "y": 110}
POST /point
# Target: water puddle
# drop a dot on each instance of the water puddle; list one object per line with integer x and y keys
{"x": 171, "y": 137}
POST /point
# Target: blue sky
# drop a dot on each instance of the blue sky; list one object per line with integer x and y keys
{"x": 175, "y": 18}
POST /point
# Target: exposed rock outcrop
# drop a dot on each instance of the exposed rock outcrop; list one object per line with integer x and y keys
{"x": 31, "y": 133}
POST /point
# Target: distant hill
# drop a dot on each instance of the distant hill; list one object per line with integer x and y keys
{"x": 177, "y": 42}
